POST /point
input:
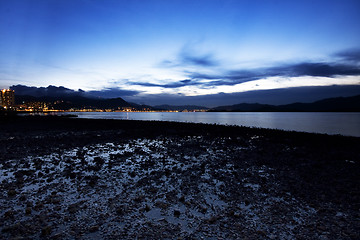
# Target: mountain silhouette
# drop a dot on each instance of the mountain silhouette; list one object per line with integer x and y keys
{"x": 339, "y": 104}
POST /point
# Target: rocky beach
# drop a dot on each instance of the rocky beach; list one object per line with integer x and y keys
{"x": 69, "y": 178}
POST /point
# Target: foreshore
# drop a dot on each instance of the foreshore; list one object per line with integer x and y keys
{"x": 69, "y": 178}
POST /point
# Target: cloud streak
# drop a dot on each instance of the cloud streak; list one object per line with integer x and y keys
{"x": 273, "y": 96}
{"x": 202, "y": 61}
{"x": 349, "y": 55}
{"x": 178, "y": 84}
{"x": 188, "y": 57}
{"x": 235, "y": 77}
{"x": 113, "y": 93}
{"x": 348, "y": 66}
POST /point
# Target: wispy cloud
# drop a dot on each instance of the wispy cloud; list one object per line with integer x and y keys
{"x": 272, "y": 96}
{"x": 200, "y": 60}
{"x": 189, "y": 57}
{"x": 113, "y": 93}
{"x": 196, "y": 68}
{"x": 349, "y": 55}
{"x": 312, "y": 69}
{"x": 182, "y": 83}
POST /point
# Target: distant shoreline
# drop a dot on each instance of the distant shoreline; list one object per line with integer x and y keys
{"x": 53, "y": 117}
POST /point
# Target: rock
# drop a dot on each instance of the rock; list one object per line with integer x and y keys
{"x": 72, "y": 208}
{"x": 147, "y": 208}
{"x": 28, "y": 211}
{"x": 203, "y": 209}
{"x": 9, "y": 214}
{"x": 321, "y": 228}
{"x": 11, "y": 193}
{"x": 212, "y": 219}
{"x": 39, "y": 206}
{"x": 99, "y": 161}
{"x": 161, "y": 204}
{"x": 261, "y": 232}
{"x": 46, "y": 231}
{"x": 22, "y": 198}
{"x": 176, "y": 212}
{"x": 132, "y": 174}
{"x": 94, "y": 228}
{"x": 57, "y": 236}
{"x": 120, "y": 210}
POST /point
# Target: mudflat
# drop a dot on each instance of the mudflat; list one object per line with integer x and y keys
{"x": 69, "y": 178}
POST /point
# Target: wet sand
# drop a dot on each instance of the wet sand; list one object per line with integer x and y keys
{"x": 68, "y": 178}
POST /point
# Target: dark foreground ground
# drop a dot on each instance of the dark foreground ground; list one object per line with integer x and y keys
{"x": 63, "y": 178}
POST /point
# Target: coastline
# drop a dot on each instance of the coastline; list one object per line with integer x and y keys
{"x": 93, "y": 178}
{"x": 320, "y": 122}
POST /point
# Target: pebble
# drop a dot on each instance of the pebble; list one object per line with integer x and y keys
{"x": 12, "y": 193}
{"x": 94, "y": 228}
{"x": 46, "y": 231}
{"x": 28, "y": 211}
{"x": 176, "y": 212}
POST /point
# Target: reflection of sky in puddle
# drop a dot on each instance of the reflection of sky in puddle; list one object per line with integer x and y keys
{"x": 158, "y": 214}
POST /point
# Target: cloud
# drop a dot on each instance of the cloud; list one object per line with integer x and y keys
{"x": 196, "y": 68}
{"x": 112, "y": 93}
{"x": 273, "y": 96}
{"x": 315, "y": 70}
{"x": 178, "y": 84}
{"x": 234, "y": 77}
{"x": 188, "y": 57}
{"x": 349, "y": 55}
{"x": 288, "y": 70}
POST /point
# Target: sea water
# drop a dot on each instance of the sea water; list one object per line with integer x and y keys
{"x": 343, "y": 123}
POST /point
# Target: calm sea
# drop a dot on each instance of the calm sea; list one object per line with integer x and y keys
{"x": 330, "y": 123}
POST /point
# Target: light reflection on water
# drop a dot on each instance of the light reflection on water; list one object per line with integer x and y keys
{"x": 318, "y": 122}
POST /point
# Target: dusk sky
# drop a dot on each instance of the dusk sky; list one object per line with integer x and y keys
{"x": 182, "y": 52}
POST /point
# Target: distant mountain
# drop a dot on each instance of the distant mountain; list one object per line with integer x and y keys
{"x": 75, "y": 101}
{"x": 50, "y": 91}
{"x": 62, "y": 98}
{"x": 340, "y": 104}
{"x": 244, "y": 107}
{"x": 179, "y": 108}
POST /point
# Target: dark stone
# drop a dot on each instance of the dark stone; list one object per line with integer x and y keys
{"x": 28, "y": 211}
{"x": 176, "y": 213}
{"x": 11, "y": 193}
{"x": 147, "y": 208}
{"x": 9, "y": 214}
{"x": 46, "y": 231}
{"x": 212, "y": 219}
{"x": 94, "y": 228}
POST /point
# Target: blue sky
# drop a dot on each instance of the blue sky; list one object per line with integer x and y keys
{"x": 143, "y": 49}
